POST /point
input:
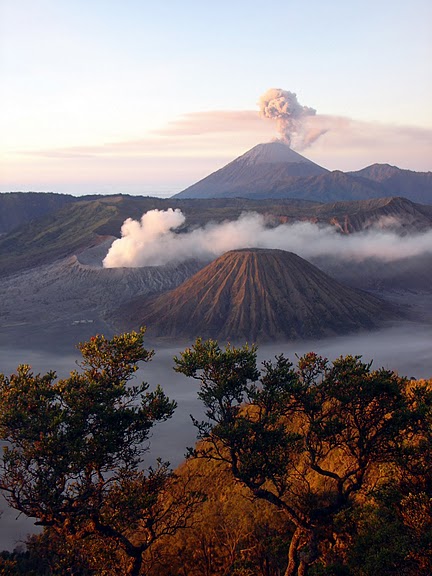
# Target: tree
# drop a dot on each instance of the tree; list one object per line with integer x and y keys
{"x": 310, "y": 440}
{"x": 74, "y": 451}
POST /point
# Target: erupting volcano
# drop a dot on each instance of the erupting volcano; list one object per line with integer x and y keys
{"x": 263, "y": 167}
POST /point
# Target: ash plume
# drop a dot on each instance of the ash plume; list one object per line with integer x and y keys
{"x": 291, "y": 118}
{"x": 153, "y": 241}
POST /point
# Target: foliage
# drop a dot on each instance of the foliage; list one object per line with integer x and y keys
{"x": 313, "y": 440}
{"x": 73, "y": 447}
{"x": 229, "y": 534}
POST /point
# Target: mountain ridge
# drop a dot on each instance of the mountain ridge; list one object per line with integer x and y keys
{"x": 18, "y": 208}
{"x": 399, "y": 182}
{"x": 86, "y": 223}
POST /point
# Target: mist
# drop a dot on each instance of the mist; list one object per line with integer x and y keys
{"x": 153, "y": 240}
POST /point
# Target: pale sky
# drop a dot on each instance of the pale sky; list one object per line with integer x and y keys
{"x": 145, "y": 97}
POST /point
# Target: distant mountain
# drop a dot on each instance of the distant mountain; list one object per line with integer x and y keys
{"x": 414, "y": 185}
{"x": 263, "y": 167}
{"x": 273, "y": 170}
{"x": 257, "y": 295}
{"x": 379, "y": 172}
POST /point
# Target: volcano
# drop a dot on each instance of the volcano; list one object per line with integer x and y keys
{"x": 274, "y": 170}
{"x": 258, "y": 295}
{"x": 263, "y": 167}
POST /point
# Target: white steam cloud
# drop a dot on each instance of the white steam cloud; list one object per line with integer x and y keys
{"x": 291, "y": 118}
{"x": 154, "y": 242}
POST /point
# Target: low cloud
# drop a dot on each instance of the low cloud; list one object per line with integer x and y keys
{"x": 153, "y": 241}
{"x": 349, "y": 144}
{"x": 216, "y": 121}
{"x": 336, "y": 142}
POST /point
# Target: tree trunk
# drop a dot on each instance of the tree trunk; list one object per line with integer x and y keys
{"x": 302, "y": 569}
{"x": 135, "y": 566}
{"x": 302, "y": 552}
{"x": 293, "y": 561}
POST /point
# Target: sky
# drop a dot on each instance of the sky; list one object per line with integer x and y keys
{"x": 144, "y": 97}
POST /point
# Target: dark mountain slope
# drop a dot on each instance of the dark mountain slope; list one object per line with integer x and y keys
{"x": 18, "y": 208}
{"x": 257, "y": 295}
{"x": 54, "y": 236}
{"x": 328, "y": 187}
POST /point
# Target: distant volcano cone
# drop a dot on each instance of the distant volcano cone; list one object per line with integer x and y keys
{"x": 259, "y": 169}
{"x": 258, "y": 295}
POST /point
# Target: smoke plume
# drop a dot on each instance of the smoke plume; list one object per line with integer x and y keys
{"x": 154, "y": 242}
{"x": 291, "y": 118}
{"x": 143, "y": 243}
